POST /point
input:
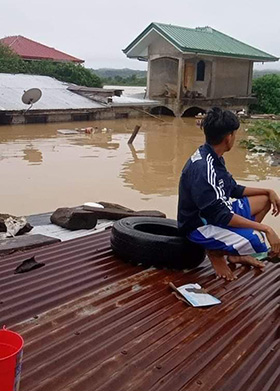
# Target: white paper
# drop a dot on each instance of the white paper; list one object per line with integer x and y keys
{"x": 195, "y": 298}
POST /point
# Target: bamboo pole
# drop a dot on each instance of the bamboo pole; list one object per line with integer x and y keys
{"x": 146, "y": 112}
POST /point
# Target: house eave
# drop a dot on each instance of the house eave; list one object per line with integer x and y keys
{"x": 184, "y": 50}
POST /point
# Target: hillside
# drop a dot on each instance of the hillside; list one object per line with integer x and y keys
{"x": 124, "y": 73}
{"x": 259, "y": 73}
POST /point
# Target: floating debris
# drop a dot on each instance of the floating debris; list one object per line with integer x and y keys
{"x": 67, "y": 131}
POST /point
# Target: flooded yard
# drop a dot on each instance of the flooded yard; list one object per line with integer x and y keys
{"x": 42, "y": 170}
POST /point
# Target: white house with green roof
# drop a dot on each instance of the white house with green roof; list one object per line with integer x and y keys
{"x": 190, "y": 70}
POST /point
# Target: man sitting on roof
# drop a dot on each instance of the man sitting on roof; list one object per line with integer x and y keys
{"x": 206, "y": 214}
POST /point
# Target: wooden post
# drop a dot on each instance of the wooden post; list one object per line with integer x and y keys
{"x": 134, "y": 134}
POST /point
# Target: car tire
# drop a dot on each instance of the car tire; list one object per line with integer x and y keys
{"x": 152, "y": 241}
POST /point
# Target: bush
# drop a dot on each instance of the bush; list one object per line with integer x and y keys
{"x": 125, "y": 81}
{"x": 265, "y": 137}
{"x": 267, "y": 91}
{"x": 67, "y": 72}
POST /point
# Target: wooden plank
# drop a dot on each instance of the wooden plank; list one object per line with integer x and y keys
{"x": 25, "y": 242}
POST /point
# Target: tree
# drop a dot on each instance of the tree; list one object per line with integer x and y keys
{"x": 67, "y": 72}
{"x": 7, "y": 52}
{"x": 267, "y": 91}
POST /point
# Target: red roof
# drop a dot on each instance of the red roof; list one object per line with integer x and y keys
{"x": 31, "y": 50}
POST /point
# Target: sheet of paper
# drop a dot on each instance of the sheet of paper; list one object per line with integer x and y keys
{"x": 195, "y": 295}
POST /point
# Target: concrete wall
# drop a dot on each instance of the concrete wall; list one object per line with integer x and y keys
{"x": 202, "y": 87}
{"x": 161, "y": 47}
{"x": 41, "y": 116}
{"x": 162, "y": 72}
{"x": 223, "y": 76}
{"x": 231, "y": 77}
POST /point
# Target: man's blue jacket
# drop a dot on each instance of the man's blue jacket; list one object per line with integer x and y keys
{"x": 205, "y": 190}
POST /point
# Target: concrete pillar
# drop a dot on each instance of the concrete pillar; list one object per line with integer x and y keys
{"x": 250, "y": 78}
{"x": 148, "y": 79}
{"x": 180, "y": 85}
{"x": 213, "y": 79}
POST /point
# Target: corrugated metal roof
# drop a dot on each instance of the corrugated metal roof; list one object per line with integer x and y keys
{"x": 204, "y": 40}
{"x": 93, "y": 322}
{"x": 55, "y": 95}
{"x": 32, "y": 50}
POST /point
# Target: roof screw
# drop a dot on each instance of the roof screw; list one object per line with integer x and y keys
{"x": 158, "y": 367}
{"x": 124, "y": 352}
{"x": 77, "y": 333}
{"x": 35, "y": 316}
{"x": 199, "y": 382}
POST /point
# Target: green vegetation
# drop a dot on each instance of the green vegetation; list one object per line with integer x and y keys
{"x": 128, "y": 81}
{"x": 264, "y": 137}
{"x": 267, "y": 91}
{"x": 124, "y": 72}
{"x": 6, "y": 52}
{"x": 67, "y": 72}
{"x": 122, "y": 77}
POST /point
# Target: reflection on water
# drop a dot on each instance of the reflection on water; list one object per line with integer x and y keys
{"x": 32, "y": 155}
{"x": 42, "y": 170}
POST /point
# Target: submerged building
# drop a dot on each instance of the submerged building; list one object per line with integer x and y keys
{"x": 63, "y": 102}
{"x": 190, "y": 70}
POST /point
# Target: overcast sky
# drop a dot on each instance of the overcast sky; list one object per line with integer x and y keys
{"x": 98, "y": 30}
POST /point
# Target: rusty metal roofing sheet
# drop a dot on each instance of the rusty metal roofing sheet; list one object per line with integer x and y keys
{"x": 92, "y": 322}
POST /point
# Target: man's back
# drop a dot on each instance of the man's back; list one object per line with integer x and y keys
{"x": 204, "y": 191}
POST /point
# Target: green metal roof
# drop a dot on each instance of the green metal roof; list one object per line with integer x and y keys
{"x": 204, "y": 40}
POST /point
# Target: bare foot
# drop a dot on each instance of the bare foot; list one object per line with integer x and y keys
{"x": 221, "y": 268}
{"x": 246, "y": 260}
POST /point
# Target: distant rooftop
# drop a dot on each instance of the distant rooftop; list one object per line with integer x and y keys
{"x": 32, "y": 50}
{"x": 55, "y": 94}
{"x": 202, "y": 40}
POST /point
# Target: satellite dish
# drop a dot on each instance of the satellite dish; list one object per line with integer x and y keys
{"x": 31, "y": 96}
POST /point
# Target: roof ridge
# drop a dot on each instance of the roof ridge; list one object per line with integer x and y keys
{"x": 16, "y": 38}
{"x": 9, "y": 37}
{"x": 174, "y": 25}
{"x": 198, "y": 29}
{"x": 42, "y": 44}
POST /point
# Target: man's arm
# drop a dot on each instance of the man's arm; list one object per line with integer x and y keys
{"x": 273, "y": 197}
{"x": 241, "y": 222}
{"x": 253, "y": 191}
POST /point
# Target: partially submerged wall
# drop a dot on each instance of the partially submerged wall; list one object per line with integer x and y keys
{"x": 40, "y": 116}
{"x": 190, "y": 75}
{"x": 231, "y": 77}
{"x": 163, "y": 77}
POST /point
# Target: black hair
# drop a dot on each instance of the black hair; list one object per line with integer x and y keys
{"x": 219, "y": 123}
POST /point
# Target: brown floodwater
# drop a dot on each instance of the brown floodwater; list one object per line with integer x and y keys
{"x": 42, "y": 170}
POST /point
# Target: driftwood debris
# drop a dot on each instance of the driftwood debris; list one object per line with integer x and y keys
{"x": 134, "y": 134}
{"x": 26, "y": 242}
{"x": 116, "y": 212}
